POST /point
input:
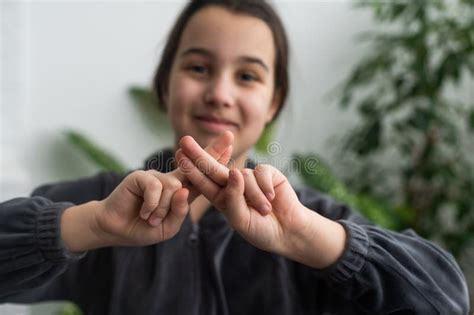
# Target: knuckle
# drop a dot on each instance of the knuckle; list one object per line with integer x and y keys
{"x": 246, "y": 172}
{"x": 152, "y": 172}
{"x": 162, "y": 208}
{"x": 138, "y": 174}
{"x": 175, "y": 185}
{"x": 262, "y": 168}
{"x": 161, "y": 211}
{"x": 155, "y": 185}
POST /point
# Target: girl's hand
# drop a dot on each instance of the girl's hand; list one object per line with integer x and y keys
{"x": 147, "y": 207}
{"x": 289, "y": 229}
{"x": 272, "y": 232}
{"x": 217, "y": 174}
{"x": 260, "y": 204}
{"x": 220, "y": 150}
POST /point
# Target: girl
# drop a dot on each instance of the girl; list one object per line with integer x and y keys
{"x": 244, "y": 242}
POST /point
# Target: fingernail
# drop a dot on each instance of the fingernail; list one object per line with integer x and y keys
{"x": 270, "y": 196}
{"x": 155, "y": 221}
{"x": 265, "y": 208}
{"x": 144, "y": 215}
{"x": 232, "y": 175}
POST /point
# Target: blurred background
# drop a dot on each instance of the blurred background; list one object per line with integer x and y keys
{"x": 382, "y": 97}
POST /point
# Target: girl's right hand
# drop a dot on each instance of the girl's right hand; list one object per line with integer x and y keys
{"x": 147, "y": 207}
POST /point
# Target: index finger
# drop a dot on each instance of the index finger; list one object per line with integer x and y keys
{"x": 220, "y": 150}
{"x": 207, "y": 164}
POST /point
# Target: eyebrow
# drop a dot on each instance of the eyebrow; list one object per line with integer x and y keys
{"x": 208, "y": 53}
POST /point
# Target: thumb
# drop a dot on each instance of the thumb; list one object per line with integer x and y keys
{"x": 178, "y": 211}
{"x": 236, "y": 209}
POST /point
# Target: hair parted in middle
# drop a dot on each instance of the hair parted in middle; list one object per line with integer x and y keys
{"x": 260, "y": 9}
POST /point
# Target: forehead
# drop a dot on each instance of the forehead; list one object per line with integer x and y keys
{"x": 228, "y": 35}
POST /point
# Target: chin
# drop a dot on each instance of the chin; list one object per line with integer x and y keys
{"x": 203, "y": 140}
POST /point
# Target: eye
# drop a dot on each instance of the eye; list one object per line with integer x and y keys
{"x": 248, "y": 77}
{"x": 196, "y": 68}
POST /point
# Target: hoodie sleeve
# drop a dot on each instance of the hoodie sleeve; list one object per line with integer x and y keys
{"x": 384, "y": 272}
{"x": 35, "y": 265}
{"x": 32, "y": 253}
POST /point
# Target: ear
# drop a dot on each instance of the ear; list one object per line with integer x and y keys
{"x": 273, "y": 108}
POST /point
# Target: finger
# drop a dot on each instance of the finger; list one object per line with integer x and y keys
{"x": 200, "y": 181}
{"x": 178, "y": 211}
{"x": 254, "y": 194}
{"x": 162, "y": 209}
{"x": 263, "y": 175}
{"x": 178, "y": 173}
{"x": 220, "y": 149}
{"x": 236, "y": 210}
{"x": 204, "y": 161}
{"x": 217, "y": 148}
{"x": 225, "y": 157}
{"x": 152, "y": 189}
{"x": 170, "y": 185}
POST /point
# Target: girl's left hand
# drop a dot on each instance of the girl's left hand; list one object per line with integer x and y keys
{"x": 276, "y": 229}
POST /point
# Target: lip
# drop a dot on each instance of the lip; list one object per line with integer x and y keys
{"x": 215, "y": 123}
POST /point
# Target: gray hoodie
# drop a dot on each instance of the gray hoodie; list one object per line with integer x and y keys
{"x": 208, "y": 268}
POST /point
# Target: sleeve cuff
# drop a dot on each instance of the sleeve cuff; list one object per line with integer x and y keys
{"x": 353, "y": 258}
{"x": 48, "y": 234}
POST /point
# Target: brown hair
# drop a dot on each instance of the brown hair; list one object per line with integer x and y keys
{"x": 260, "y": 9}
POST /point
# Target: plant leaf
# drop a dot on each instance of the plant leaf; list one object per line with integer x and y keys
{"x": 151, "y": 112}
{"x": 69, "y": 309}
{"x": 143, "y": 96}
{"x": 471, "y": 121}
{"x": 321, "y": 177}
{"x": 265, "y": 139}
{"x": 94, "y": 152}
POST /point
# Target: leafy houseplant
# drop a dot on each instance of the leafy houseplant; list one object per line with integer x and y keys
{"x": 412, "y": 144}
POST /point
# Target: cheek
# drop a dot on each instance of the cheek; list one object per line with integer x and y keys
{"x": 256, "y": 108}
{"x": 183, "y": 94}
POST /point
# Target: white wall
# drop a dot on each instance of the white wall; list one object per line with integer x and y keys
{"x": 68, "y": 64}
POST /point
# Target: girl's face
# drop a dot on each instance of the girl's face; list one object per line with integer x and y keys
{"x": 222, "y": 78}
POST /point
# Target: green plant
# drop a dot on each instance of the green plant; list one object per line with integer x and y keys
{"x": 69, "y": 309}
{"x": 99, "y": 156}
{"x": 413, "y": 142}
{"x": 322, "y": 178}
{"x": 152, "y": 117}
{"x": 147, "y": 103}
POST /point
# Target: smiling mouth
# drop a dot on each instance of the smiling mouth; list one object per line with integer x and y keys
{"x": 215, "y": 124}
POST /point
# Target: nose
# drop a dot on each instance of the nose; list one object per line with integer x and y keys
{"x": 219, "y": 92}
